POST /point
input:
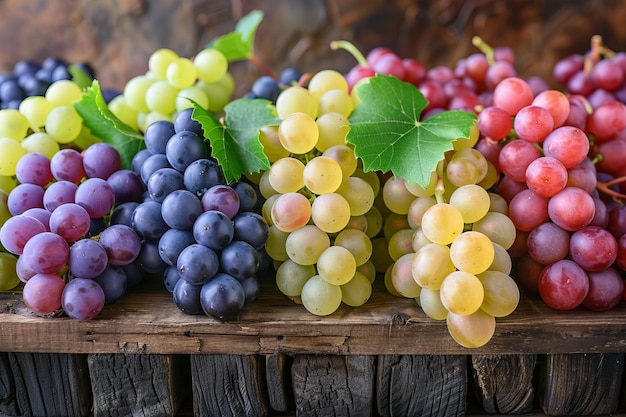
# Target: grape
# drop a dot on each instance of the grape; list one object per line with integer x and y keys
{"x": 335, "y": 101}
{"x": 121, "y": 243}
{"x": 59, "y": 193}
{"x": 417, "y": 209}
{"x": 34, "y": 168}
{"x": 8, "y": 276}
{"x": 332, "y": 130}
{"x": 201, "y": 175}
{"x": 87, "y": 259}
{"x": 607, "y": 120}
{"x": 67, "y": 165}
{"x": 431, "y": 264}
{"x": 298, "y": 133}
{"x": 35, "y": 109}
{"x": 213, "y": 229}
{"x": 180, "y": 209}
{"x": 306, "y": 244}
{"x": 46, "y": 253}
{"x": 148, "y": 222}
{"x": 336, "y": 265}
{"x": 321, "y": 175}
{"x": 511, "y": 94}
{"x": 533, "y": 123}
{"x": 40, "y": 142}
{"x": 291, "y": 277}
{"x": 494, "y": 122}
{"x": 357, "y": 242}
{"x": 330, "y": 212}
{"x": 113, "y": 282}
{"x": 461, "y": 293}
{"x": 320, "y": 297}
{"x": 515, "y": 157}
{"x": 197, "y": 264}
{"x": 82, "y": 299}
{"x": 186, "y": 297}
{"x": 498, "y": 227}
{"x": 357, "y": 291}
{"x": 548, "y": 243}
{"x": 286, "y": 175}
{"x": 563, "y": 285}
{"x": 163, "y": 182}
{"x": 70, "y": 221}
{"x": 223, "y": 297}
{"x": 593, "y": 248}
{"x": 127, "y": 186}
{"x": 501, "y": 293}
{"x": 172, "y": 242}
{"x": 18, "y": 230}
{"x": 239, "y": 260}
{"x": 546, "y": 176}
{"x": 251, "y": 228}
{"x": 606, "y": 290}
{"x": 472, "y": 201}
{"x": 96, "y": 196}
{"x": 556, "y": 103}
{"x": 472, "y": 252}
{"x": 473, "y": 330}
{"x": 571, "y": 209}
{"x": 100, "y": 160}
{"x": 568, "y": 144}
{"x": 401, "y": 277}
{"x": 290, "y": 212}
{"x": 442, "y": 223}
{"x": 42, "y": 293}
{"x": 466, "y": 168}
{"x": 12, "y": 151}
{"x": 183, "y": 148}
{"x": 63, "y": 124}
{"x": 527, "y": 210}
{"x": 359, "y": 194}
{"x": 401, "y": 243}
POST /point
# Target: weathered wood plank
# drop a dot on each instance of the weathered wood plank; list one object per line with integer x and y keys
{"x": 504, "y": 383}
{"x": 278, "y": 377}
{"x": 8, "y": 400}
{"x": 579, "y": 384}
{"x": 421, "y": 385}
{"x": 229, "y": 386}
{"x": 138, "y": 385}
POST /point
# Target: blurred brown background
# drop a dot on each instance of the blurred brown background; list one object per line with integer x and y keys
{"x": 117, "y": 36}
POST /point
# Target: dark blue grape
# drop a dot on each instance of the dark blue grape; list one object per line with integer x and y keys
{"x": 149, "y": 259}
{"x": 223, "y": 297}
{"x": 109, "y": 94}
{"x": 183, "y": 148}
{"x": 45, "y": 75}
{"x": 265, "y": 260}
{"x": 289, "y": 76}
{"x": 164, "y": 181}
{"x": 197, "y": 264}
{"x": 172, "y": 244}
{"x": 170, "y": 278}
{"x": 113, "y": 282}
{"x": 134, "y": 273}
{"x": 96, "y": 226}
{"x": 148, "y": 221}
{"x": 61, "y": 73}
{"x": 183, "y": 121}
{"x": 239, "y": 259}
{"x": 10, "y": 90}
{"x": 213, "y": 229}
{"x": 251, "y": 228}
{"x": 266, "y": 87}
{"x": 249, "y": 95}
{"x": 31, "y": 85}
{"x": 24, "y": 67}
{"x": 52, "y": 62}
{"x": 251, "y": 288}
{"x": 201, "y": 175}
{"x": 127, "y": 186}
{"x": 138, "y": 160}
{"x": 248, "y": 196}
{"x": 151, "y": 164}
{"x": 180, "y": 209}
{"x": 187, "y": 297}
{"x": 157, "y": 134}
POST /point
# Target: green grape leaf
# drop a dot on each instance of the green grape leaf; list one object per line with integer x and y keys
{"x": 79, "y": 76}
{"x": 105, "y": 125}
{"x": 235, "y": 143}
{"x": 388, "y": 135}
{"x": 237, "y": 45}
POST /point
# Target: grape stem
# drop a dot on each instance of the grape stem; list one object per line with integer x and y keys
{"x": 354, "y": 51}
{"x": 485, "y": 48}
{"x": 596, "y": 53}
{"x": 259, "y": 64}
{"x": 605, "y": 187}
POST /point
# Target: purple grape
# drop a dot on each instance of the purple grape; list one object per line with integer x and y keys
{"x": 40, "y": 214}
{"x": 58, "y": 193}
{"x": 148, "y": 221}
{"x": 126, "y": 185}
{"x": 239, "y": 259}
{"x": 149, "y": 259}
{"x": 100, "y": 160}
{"x": 113, "y": 283}
{"x": 172, "y": 244}
{"x": 248, "y": 196}
{"x": 180, "y": 209}
{"x": 134, "y": 273}
{"x": 67, "y": 165}
{"x": 251, "y": 287}
{"x": 183, "y": 148}
{"x": 137, "y": 162}
{"x": 170, "y": 278}
{"x": 213, "y": 229}
{"x": 96, "y": 196}
{"x": 222, "y": 198}
{"x": 46, "y": 253}
{"x": 24, "y": 197}
{"x": 70, "y": 221}
{"x": 548, "y": 243}
{"x": 163, "y": 182}
{"x": 187, "y": 297}
{"x": 121, "y": 243}
{"x": 23, "y": 271}
{"x": 223, "y": 297}
{"x": 197, "y": 264}
{"x": 151, "y": 165}
{"x": 201, "y": 175}
{"x": 87, "y": 259}
{"x": 82, "y": 299}
{"x": 123, "y": 213}
{"x": 34, "y": 168}
{"x": 17, "y": 231}
{"x": 251, "y": 228}
{"x": 184, "y": 121}
{"x": 157, "y": 134}
{"x": 593, "y": 248}
{"x": 42, "y": 293}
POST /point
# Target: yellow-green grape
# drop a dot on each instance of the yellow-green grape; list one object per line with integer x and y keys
{"x": 63, "y": 93}
{"x": 333, "y": 129}
{"x": 345, "y": 157}
{"x": 296, "y": 99}
{"x": 330, "y": 212}
{"x": 393, "y": 223}
{"x": 211, "y": 65}
{"x": 326, "y": 80}
{"x": 298, "y": 133}
{"x": 388, "y": 281}
{"x": 419, "y": 191}
{"x": 13, "y": 124}
{"x": 306, "y": 244}
{"x": 469, "y": 142}
{"x": 187, "y": 95}
{"x": 356, "y": 242}
{"x": 12, "y": 151}
{"x": 369, "y": 270}
{"x": 461, "y": 293}
{"x": 155, "y": 116}
{"x": 442, "y": 223}
{"x": 159, "y": 61}
{"x": 419, "y": 240}
{"x": 319, "y": 297}
{"x": 359, "y": 194}
{"x": 123, "y": 111}
{"x": 380, "y": 254}
{"x": 472, "y": 201}
{"x": 501, "y": 260}
{"x": 5, "y": 213}
{"x": 218, "y": 93}
{"x": 431, "y": 265}
{"x": 374, "y": 222}
{"x": 291, "y": 277}
{"x": 370, "y": 177}
{"x": 467, "y": 166}
{"x": 491, "y": 178}
{"x": 291, "y": 211}
{"x": 42, "y": 143}
{"x": 161, "y": 97}
{"x": 357, "y": 222}
{"x": 7, "y": 183}
{"x": 417, "y": 209}
{"x": 430, "y": 301}
{"x": 35, "y": 109}
{"x": 135, "y": 92}
{"x": 501, "y": 293}
{"x": 402, "y": 277}
{"x": 401, "y": 243}
{"x": 357, "y": 291}
{"x": 273, "y": 149}
{"x": 286, "y": 175}
{"x": 471, "y": 331}
{"x": 396, "y": 196}
{"x": 336, "y": 265}
{"x": 265, "y": 187}
{"x": 141, "y": 121}
{"x": 8, "y": 277}
{"x": 181, "y": 73}
{"x": 266, "y": 208}
{"x": 472, "y": 252}
{"x": 335, "y": 101}
{"x": 498, "y": 204}
{"x": 85, "y": 139}
{"x": 322, "y": 175}
{"x": 275, "y": 244}
{"x": 498, "y": 227}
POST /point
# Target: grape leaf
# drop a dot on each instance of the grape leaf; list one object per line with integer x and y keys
{"x": 105, "y": 125}
{"x": 235, "y": 143}
{"x": 237, "y": 45}
{"x": 79, "y": 76}
{"x": 387, "y": 133}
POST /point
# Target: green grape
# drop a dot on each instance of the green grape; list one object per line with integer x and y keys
{"x": 7, "y": 183}
{"x": 291, "y": 277}
{"x": 265, "y": 187}
{"x": 35, "y": 109}
{"x": 160, "y": 60}
{"x": 42, "y": 143}
{"x": 141, "y": 121}
{"x": 155, "y": 116}
{"x": 298, "y": 133}
{"x": 186, "y": 95}
{"x": 12, "y": 151}
{"x": 370, "y": 177}
{"x": 356, "y": 242}
{"x": 501, "y": 293}
{"x": 464, "y": 143}
{"x": 419, "y": 191}
{"x": 498, "y": 204}
{"x": 402, "y": 277}
{"x": 306, "y": 244}
{"x": 357, "y": 291}
{"x": 380, "y": 254}
{"x": 357, "y": 222}
{"x": 473, "y": 330}
{"x": 63, "y": 93}
{"x": 135, "y": 92}
{"x": 359, "y": 194}
{"x": 13, "y": 124}
{"x": 5, "y": 189}
{"x": 498, "y": 227}
{"x": 335, "y": 101}
{"x": 393, "y": 223}
{"x": 461, "y": 293}
{"x": 345, "y": 157}
{"x": 8, "y": 277}
{"x": 218, "y": 93}
{"x": 161, "y": 97}
{"x": 472, "y": 252}
{"x": 442, "y": 223}
{"x": 336, "y": 265}
{"x": 85, "y": 139}
{"x": 469, "y": 166}
{"x": 211, "y": 65}
{"x": 417, "y": 209}
{"x": 501, "y": 260}
{"x": 333, "y": 129}
{"x": 431, "y": 265}
{"x": 472, "y": 201}
{"x": 330, "y": 212}
{"x": 286, "y": 175}
{"x": 326, "y": 80}
{"x": 430, "y": 301}
{"x": 291, "y": 211}
{"x": 275, "y": 244}
{"x": 273, "y": 149}
{"x": 419, "y": 240}
{"x": 491, "y": 178}
{"x": 374, "y": 222}
{"x": 401, "y": 243}
{"x": 123, "y": 111}
{"x": 369, "y": 270}
{"x": 181, "y": 73}
{"x": 266, "y": 208}
{"x": 322, "y": 175}
{"x": 387, "y": 280}
{"x": 396, "y": 196}
{"x": 296, "y": 99}
{"x": 320, "y": 297}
